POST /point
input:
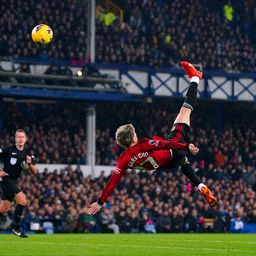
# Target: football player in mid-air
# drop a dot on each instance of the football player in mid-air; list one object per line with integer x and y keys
{"x": 15, "y": 158}
{"x": 149, "y": 154}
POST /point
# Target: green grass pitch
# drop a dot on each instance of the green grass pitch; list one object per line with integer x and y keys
{"x": 129, "y": 244}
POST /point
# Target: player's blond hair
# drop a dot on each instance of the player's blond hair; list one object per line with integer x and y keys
{"x": 124, "y": 135}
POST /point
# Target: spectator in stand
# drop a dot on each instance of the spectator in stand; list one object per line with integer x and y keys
{"x": 237, "y": 224}
{"x": 219, "y": 159}
{"x": 147, "y": 224}
{"x": 163, "y": 222}
{"x": 108, "y": 221}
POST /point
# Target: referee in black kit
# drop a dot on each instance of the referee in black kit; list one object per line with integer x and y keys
{"x": 15, "y": 159}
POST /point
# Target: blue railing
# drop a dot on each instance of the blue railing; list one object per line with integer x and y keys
{"x": 146, "y": 81}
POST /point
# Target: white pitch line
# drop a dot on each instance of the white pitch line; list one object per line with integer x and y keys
{"x": 191, "y": 240}
{"x": 176, "y": 240}
{"x": 136, "y": 246}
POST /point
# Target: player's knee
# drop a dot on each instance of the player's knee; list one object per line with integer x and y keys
{"x": 183, "y": 116}
{"x": 185, "y": 111}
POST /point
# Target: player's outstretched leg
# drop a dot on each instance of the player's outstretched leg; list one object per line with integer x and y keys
{"x": 190, "y": 100}
{"x": 204, "y": 190}
{"x": 183, "y": 119}
{"x": 182, "y": 122}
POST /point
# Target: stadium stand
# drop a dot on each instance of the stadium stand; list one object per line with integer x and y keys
{"x": 18, "y": 18}
{"x": 155, "y": 33}
{"x": 55, "y": 138}
{"x": 161, "y": 33}
{"x": 54, "y": 141}
{"x": 162, "y": 202}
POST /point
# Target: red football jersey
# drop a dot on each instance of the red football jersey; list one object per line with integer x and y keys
{"x": 147, "y": 154}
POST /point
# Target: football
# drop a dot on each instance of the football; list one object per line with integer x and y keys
{"x": 42, "y": 34}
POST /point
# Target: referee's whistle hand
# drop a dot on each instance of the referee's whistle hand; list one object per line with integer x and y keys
{"x": 3, "y": 173}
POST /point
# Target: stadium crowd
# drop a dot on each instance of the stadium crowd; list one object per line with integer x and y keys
{"x": 61, "y": 138}
{"x": 54, "y": 138}
{"x": 155, "y": 33}
{"x": 65, "y": 17}
{"x": 162, "y": 202}
{"x": 161, "y": 33}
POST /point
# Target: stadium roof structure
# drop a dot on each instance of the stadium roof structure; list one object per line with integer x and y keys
{"x": 28, "y": 85}
{"x": 113, "y": 82}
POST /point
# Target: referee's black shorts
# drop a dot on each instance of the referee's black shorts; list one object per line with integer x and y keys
{"x": 182, "y": 132}
{"x": 9, "y": 190}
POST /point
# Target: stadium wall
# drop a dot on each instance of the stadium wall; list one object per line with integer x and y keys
{"x": 86, "y": 169}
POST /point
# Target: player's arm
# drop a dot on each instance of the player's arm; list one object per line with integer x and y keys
{"x": 155, "y": 144}
{"x": 150, "y": 145}
{"x": 30, "y": 164}
{"x": 116, "y": 176}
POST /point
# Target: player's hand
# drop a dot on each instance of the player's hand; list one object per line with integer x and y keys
{"x": 92, "y": 209}
{"x": 193, "y": 149}
{"x": 3, "y": 174}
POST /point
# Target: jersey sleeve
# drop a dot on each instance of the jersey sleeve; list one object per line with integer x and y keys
{"x": 151, "y": 145}
{"x": 112, "y": 183}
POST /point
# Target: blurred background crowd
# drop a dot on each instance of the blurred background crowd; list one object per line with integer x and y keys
{"x": 158, "y": 33}
{"x": 163, "y": 201}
